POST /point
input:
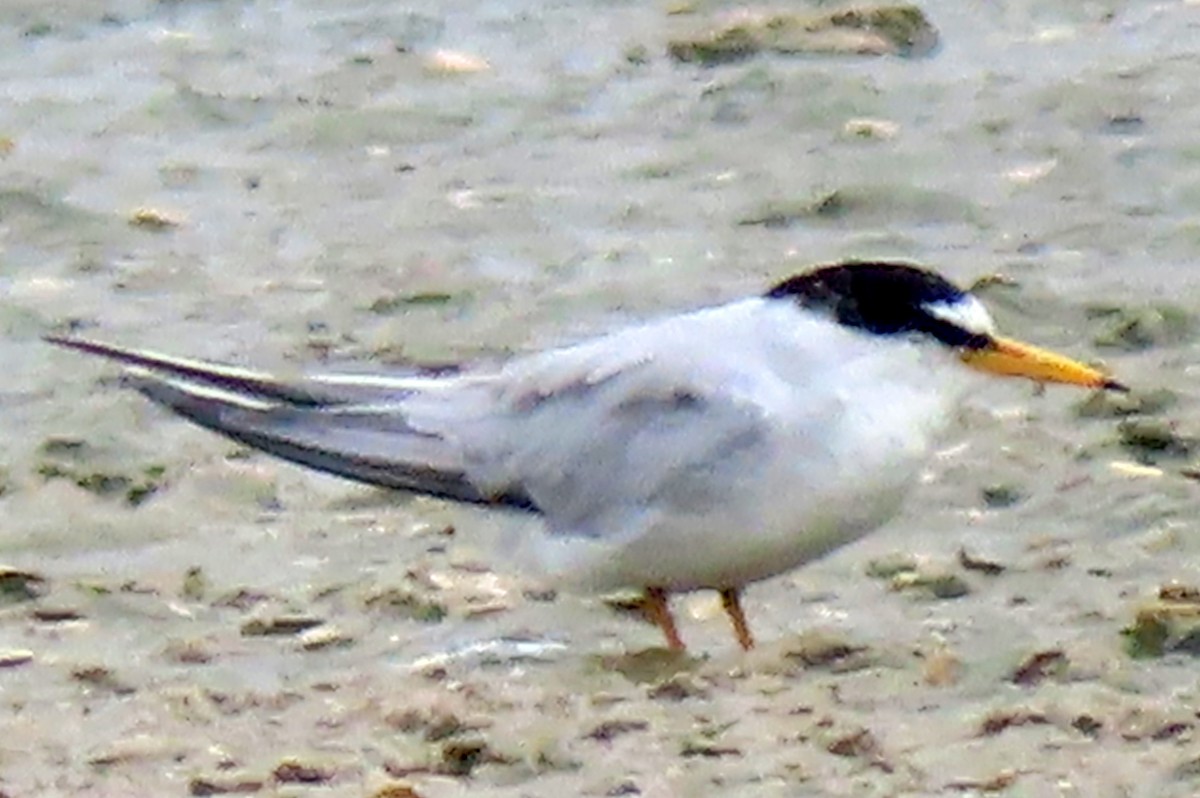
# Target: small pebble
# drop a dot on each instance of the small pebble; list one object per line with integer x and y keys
{"x": 322, "y": 637}
{"x": 972, "y": 563}
{"x": 876, "y": 129}
{"x": 291, "y": 770}
{"x": 396, "y": 790}
{"x": 1135, "y": 470}
{"x": 999, "y": 496}
{"x": 452, "y": 62}
{"x": 279, "y": 625}
{"x": 932, "y": 585}
{"x": 188, "y": 652}
{"x": 195, "y": 584}
{"x": 152, "y": 219}
{"x": 1040, "y": 666}
{"x": 225, "y": 784}
{"x": 56, "y": 614}
{"x": 18, "y": 585}
{"x": 941, "y": 668}
{"x": 14, "y": 657}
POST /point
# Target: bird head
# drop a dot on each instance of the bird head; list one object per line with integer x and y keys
{"x": 893, "y": 299}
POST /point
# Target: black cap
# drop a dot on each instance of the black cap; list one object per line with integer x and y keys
{"x": 883, "y": 298}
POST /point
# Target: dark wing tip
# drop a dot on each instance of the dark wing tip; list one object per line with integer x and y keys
{"x": 80, "y": 344}
{"x": 231, "y": 378}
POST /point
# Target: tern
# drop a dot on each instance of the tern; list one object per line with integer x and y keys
{"x": 705, "y": 450}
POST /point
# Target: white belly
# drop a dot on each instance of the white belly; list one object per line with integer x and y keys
{"x": 791, "y": 512}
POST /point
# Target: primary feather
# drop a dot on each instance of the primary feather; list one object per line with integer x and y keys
{"x": 348, "y": 425}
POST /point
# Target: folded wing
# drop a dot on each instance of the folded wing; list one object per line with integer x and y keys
{"x": 593, "y": 437}
{"x": 354, "y": 426}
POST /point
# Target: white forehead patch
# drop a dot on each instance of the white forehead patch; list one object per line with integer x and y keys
{"x": 967, "y": 313}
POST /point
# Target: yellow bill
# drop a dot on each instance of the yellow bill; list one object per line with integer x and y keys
{"x": 1010, "y": 358}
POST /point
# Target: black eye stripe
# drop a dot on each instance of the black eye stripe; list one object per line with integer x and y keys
{"x": 882, "y": 297}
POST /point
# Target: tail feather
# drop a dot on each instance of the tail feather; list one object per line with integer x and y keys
{"x": 313, "y": 422}
{"x": 314, "y": 391}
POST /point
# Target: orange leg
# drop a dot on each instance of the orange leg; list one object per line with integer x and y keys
{"x": 731, "y": 600}
{"x": 658, "y": 611}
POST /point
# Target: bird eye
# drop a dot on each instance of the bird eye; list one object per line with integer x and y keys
{"x": 978, "y": 341}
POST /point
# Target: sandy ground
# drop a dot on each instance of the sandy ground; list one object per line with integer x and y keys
{"x": 359, "y": 183}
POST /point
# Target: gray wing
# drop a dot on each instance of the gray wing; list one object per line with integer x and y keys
{"x": 598, "y": 440}
{"x": 354, "y": 426}
{"x": 587, "y": 436}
